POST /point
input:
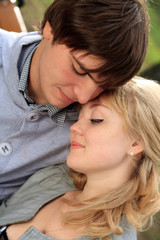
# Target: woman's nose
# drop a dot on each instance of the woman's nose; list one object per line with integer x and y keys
{"x": 77, "y": 128}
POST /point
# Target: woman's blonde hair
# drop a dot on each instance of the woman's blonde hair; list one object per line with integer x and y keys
{"x": 138, "y": 102}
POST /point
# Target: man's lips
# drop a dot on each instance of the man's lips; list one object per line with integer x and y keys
{"x": 75, "y": 145}
{"x": 65, "y": 98}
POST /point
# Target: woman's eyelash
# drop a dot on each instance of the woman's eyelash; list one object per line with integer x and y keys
{"x": 81, "y": 74}
{"x": 95, "y": 121}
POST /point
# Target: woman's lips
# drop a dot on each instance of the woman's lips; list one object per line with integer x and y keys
{"x": 75, "y": 145}
{"x": 65, "y": 98}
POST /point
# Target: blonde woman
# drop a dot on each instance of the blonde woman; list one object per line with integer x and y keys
{"x": 113, "y": 187}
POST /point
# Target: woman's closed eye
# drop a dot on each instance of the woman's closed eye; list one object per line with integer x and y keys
{"x": 96, "y": 121}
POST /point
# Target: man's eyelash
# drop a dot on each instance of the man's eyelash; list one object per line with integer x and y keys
{"x": 81, "y": 74}
{"x": 95, "y": 121}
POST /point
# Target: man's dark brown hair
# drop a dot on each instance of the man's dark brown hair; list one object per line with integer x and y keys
{"x": 114, "y": 30}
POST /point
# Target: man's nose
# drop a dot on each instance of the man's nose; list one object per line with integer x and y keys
{"x": 86, "y": 93}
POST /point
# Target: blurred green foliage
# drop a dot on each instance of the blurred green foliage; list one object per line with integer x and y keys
{"x": 154, "y": 232}
{"x": 151, "y": 66}
{"x": 33, "y": 11}
{"x": 153, "y": 53}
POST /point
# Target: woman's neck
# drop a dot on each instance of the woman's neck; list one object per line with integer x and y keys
{"x": 100, "y": 184}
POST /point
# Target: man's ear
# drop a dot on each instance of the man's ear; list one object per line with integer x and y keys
{"x": 47, "y": 31}
{"x": 137, "y": 147}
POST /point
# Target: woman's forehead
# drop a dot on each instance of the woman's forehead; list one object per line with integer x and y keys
{"x": 101, "y": 101}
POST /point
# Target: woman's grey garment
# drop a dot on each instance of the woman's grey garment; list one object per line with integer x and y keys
{"x": 45, "y": 185}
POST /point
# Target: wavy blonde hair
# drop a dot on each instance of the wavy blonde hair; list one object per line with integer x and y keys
{"x": 138, "y": 102}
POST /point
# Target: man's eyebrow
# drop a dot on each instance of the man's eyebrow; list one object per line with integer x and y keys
{"x": 83, "y": 67}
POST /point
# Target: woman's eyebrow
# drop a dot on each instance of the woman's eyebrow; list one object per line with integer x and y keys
{"x": 100, "y": 105}
{"x": 83, "y": 67}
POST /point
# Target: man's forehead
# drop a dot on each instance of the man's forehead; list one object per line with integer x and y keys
{"x": 86, "y": 59}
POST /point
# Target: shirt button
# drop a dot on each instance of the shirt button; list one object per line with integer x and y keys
{"x": 32, "y": 116}
{"x": 5, "y": 149}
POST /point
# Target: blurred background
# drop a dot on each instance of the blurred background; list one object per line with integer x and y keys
{"x": 25, "y": 15}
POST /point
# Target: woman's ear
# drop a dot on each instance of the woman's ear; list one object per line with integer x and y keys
{"x": 47, "y": 31}
{"x": 137, "y": 147}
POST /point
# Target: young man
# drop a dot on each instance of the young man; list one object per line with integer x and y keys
{"x": 86, "y": 46}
